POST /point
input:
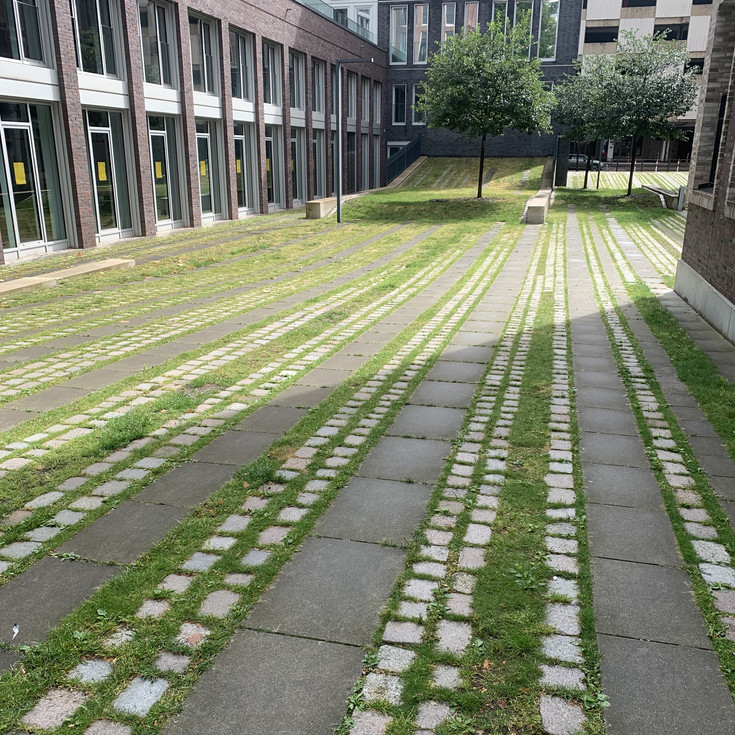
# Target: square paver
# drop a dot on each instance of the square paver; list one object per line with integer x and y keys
{"x": 393, "y": 458}
{"x": 302, "y": 396}
{"x": 607, "y": 421}
{"x": 272, "y": 419}
{"x": 626, "y": 451}
{"x": 628, "y": 486}
{"x": 53, "y": 708}
{"x": 124, "y": 533}
{"x": 458, "y": 372}
{"x": 235, "y": 448}
{"x": 280, "y": 684}
{"x": 653, "y": 689}
{"x": 332, "y": 590}
{"x": 438, "y": 393}
{"x": 375, "y": 510}
{"x": 187, "y": 485}
{"x": 45, "y": 593}
{"x": 646, "y": 601}
{"x": 428, "y": 422}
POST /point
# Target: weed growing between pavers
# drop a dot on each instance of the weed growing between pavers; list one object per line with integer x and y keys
{"x": 643, "y": 381}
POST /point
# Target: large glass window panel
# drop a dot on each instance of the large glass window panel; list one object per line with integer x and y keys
{"x": 164, "y": 44}
{"x": 160, "y": 176}
{"x": 398, "y": 34}
{"x": 320, "y": 164}
{"x": 365, "y": 97}
{"x": 420, "y": 33}
{"x": 317, "y": 85}
{"x": 155, "y": 41}
{"x": 271, "y": 74}
{"x": 244, "y": 166}
{"x": 298, "y": 165}
{"x": 399, "y": 104}
{"x": 419, "y": 117}
{"x": 351, "y": 94}
{"x": 376, "y": 161}
{"x": 205, "y": 174}
{"x": 471, "y": 12}
{"x": 500, "y": 12}
{"x": 297, "y": 81}
{"x": 365, "y": 161}
{"x": 524, "y": 12}
{"x": 52, "y": 205}
{"x": 377, "y": 101}
{"x": 273, "y": 164}
{"x": 9, "y": 47}
{"x": 351, "y": 162}
{"x": 548, "y": 29}
{"x": 108, "y": 44}
{"x": 164, "y": 160}
{"x": 120, "y": 170}
{"x": 25, "y": 199}
{"x": 30, "y": 30}
{"x": 101, "y": 159}
{"x": 88, "y": 36}
{"x": 449, "y": 12}
{"x": 202, "y": 57}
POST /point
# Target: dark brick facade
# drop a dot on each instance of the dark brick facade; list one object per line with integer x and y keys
{"x": 709, "y": 242}
{"x": 442, "y": 142}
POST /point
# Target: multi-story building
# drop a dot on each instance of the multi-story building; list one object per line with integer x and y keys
{"x": 411, "y": 30}
{"x": 705, "y": 275}
{"x": 121, "y": 118}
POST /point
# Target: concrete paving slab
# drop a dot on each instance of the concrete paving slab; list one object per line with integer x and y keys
{"x": 427, "y": 422}
{"x": 632, "y": 534}
{"x": 660, "y": 689}
{"x": 331, "y": 590}
{"x": 607, "y": 421}
{"x": 646, "y": 601}
{"x": 50, "y": 398}
{"x": 626, "y": 451}
{"x": 187, "y": 485}
{"x": 272, "y": 419}
{"x": 393, "y": 458}
{"x": 276, "y": 684}
{"x": 236, "y": 448}
{"x": 324, "y": 378}
{"x": 633, "y": 487}
{"x": 439, "y": 393}
{"x": 464, "y": 353}
{"x": 98, "y": 378}
{"x": 124, "y": 533}
{"x": 41, "y": 596}
{"x": 302, "y": 396}
{"x": 457, "y": 372}
{"x": 375, "y": 511}
{"x": 597, "y": 379}
{"x": 342, "y": 361}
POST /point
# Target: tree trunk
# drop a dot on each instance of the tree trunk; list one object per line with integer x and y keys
{"x": 588, "y": 166}
{"x": 632, "y": 165}
{"x": 482, "y": 166}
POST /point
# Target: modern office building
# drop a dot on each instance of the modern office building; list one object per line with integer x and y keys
{"x": 121, "y": 118}
{"x": 706, "y": 272}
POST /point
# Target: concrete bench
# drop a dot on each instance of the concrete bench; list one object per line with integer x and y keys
{"x": 670, "y": 199}
{"x": 318, "y": 208}
{"x": 537, "y": 207}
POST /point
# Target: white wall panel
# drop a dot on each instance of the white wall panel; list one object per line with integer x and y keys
{"x": 604, "y": 9}
{"x": 698, "y": 32}
{"x": 644, "y": 26}
{"x": 673, "y": 8}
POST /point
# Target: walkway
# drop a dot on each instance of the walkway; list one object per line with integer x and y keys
{"x": 496, "y": 440}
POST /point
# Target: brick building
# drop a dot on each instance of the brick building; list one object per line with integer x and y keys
{"x": 121, "y": 118}
{"x": 706, "y": 272}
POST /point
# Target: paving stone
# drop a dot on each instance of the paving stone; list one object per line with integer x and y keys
{"x": 463, "y": 582}
{"x": 614, "y": 449}
{"x": 140, "y": 696}
{"x": 174, "y": 662}
{"x": 564, "y": 587}
{"x": 394, "y": 659}
{"x": 255, "y": 558}
{"x": 437, "y": 553}
{"x": 97, "y": 469}
{"x": 373, "y": 511}
{"x": 153, "y": 609}
{"x": 236, "y": 579}
{"x": 333, "y": 590}
{"x": 192, "y": 635}
{"x": 459, "y": 604}
{"x": 88, "y": 502}
{"x": 700, "y": 531}
{"x": 413, "y": 610}
{"x": 110, "y": 488}
{"x": 562, "y": 677}
{"x": 725, "y": 600}
{"x": 53, "y": 708}
{"x": 107, "y": 727}
{"x": 711, "y": 552}
{"x": 91, "y": 671}
{"x": 119, "y": 638}
{"x": 287, "y": 678}
{"x": 219, "y": 543}
{"x": 72, "y": 483}
{"x": 292, "y": 515}
{"x": 273, "y": 535}
{"x": 431, "y": 714}
{"x": 717, "y": 575}
{"x": 124, "y": 533}
{"x": 560, "y": 717}
{"x": 446, "y": 677}
{"x": 19, "y": 549}
{"x": 177, "y": 583}
{"x": 236, "y": 448}
{"x": 187, "y": 485}
{"x": 132, "y": 473}
{"x": 427, "y": 422}
{"x": 563, "y": 648}
{"x": 477, "y": 534}
{"x": 554, "y": 480}
{"x": 694, "y": 514}
{"x": 44, "y": 500}
{"x": 219, "y": 603}
{"x": 430, "y": 569}
{"x": 420, "y": 589}
{"x": 646, "y": 601}
{"x": 453, "y": 637}
{"x": 400, "y": 632}
{"x": 564, "y": 619}
{"x": 200, "y": 562}
{"x": 368, "y": 722}
{"x": 396, "y": 458}
{"x": 653, "y": 690}
{"x": 471, "y": 558}
{"x": 557, "y": 496}
{"x": 67, "y": 517}
{"x": 382, "y": 687}
{"x": 234, "y": 524}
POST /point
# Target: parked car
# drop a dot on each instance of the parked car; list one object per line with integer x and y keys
{"x": 578, "y": 162}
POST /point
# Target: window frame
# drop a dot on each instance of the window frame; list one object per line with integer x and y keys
{"x": 556, "y": 32}
{"x": 318, "y": 85}
{"x": 245, "y": 64}
{"x": 395, "y": 28}
{"x": 365, "y": 99}
{"x": 20, "y": 40}
{"x": 447, "y": 28}
{"x": 421, "y": 33}
{"x": 165, "y": 8}
{"x": 476, "y": 6}
{"x": 395, "y": 105}
{"x": 209, "y": 61}
{"x": 297, "y": 80}
{"x": 272, "y": 71}
{"x": 416, "y": 117}
{"x": 115, "y": 23}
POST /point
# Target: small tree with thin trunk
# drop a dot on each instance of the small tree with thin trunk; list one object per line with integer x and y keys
{"x": 641, "y": 90}
{"x": 479, "y": 84}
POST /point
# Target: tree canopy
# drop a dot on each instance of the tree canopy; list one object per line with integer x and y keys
{"x": 481, "y": 83}
{"x": 637, "y": 92}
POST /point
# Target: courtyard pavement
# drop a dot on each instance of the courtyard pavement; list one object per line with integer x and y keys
{"x": 419, "y": 441}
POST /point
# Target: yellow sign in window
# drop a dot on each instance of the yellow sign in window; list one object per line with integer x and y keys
{"x": 268, "y": 165}
{"x": 19, "y": 170}
{"x": 101, "y": 171}
{"x": 238, "y": 165}
{"x": 159, "y": 170}
{"x": 202, "y": 168}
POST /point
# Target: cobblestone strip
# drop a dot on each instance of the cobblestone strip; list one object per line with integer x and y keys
{"x": 254, "y": 390}
{"x": 31, "y": 377}
{"x": 715, "y": 565}
{"x": 436, "y": 598}
{"x": 332, "y": 447}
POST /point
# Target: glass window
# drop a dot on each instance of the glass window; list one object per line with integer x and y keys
{"x": 420, "y": 33}
{"x": 297, "y": 80}
{"x": 351, "y": 94}
{"x": 363, "y": 18}
{"x": 365, "y": 97}
{"x": 273, "y": 164}
{"x": 376, "y": 161}
{"x": 364, "y": 161}
{"x": 333, "y": 96}
{"x": 298, "y": 165}
{"x": 398, "y": 34}
{"x": 165, "y": 163}
{"x": 419, "y": 118}
{"x": 399, "y": 104}
{"x": 241, "y": 65}
{"x": 319, "y": 172}
{"x": 351, "y": 162}
{"x": 94, "y": 36}
{"x": 449, "y": 11}
{"x": 317, "y": 85}
{"x": 209, "y": 169}
{"x": 340, "y": 15}
{"x": 377, "y": 101}
{"x": 154, "y": 36}
{"x": 202, "y": 57}
{"x": 548, "y": 29}
{"x": 271, "y": 74}
{"x": 244, "y": 167}
{"x": 20, "y": 30}
{"x": 471, "y": 11}
{"x": 500, "y": 12}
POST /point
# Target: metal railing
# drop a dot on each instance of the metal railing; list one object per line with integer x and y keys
{"x": 402, "y": 159}
{"x": 647, "y": 164}
{"x": 338, "y": 17}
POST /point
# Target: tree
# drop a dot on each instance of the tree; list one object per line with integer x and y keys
{"x": 637, "y": 92}
{"x": 479, "y": 84}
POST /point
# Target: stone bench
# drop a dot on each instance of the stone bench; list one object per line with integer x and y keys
{"x": 319, "y": 208}
{"x": 670, "y": 199}
{"x": 537, "y": 207}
